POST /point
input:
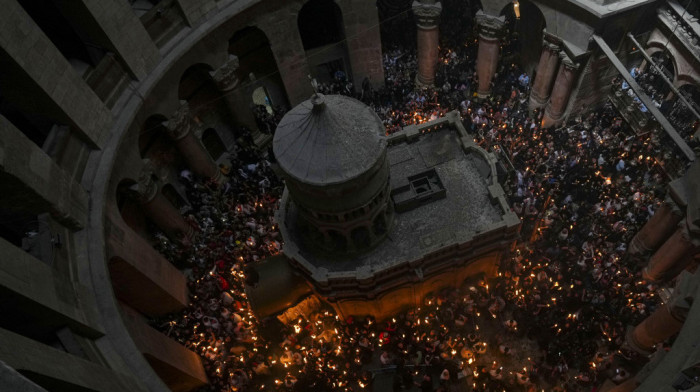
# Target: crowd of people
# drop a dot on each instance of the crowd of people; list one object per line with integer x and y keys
{"x": 555, "y": 316}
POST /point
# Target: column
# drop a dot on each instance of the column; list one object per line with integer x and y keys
{"x": 659, "y": 326}
{"x": 228, "y": 83}
{"x": 561, "y": 92}
{"x": 361, "y": 21}
{"x": 672, "y": 257}
{"x": 286, "y": 45}
{"x": 657, "y": 230}
{"x": 427, "y": 13}
{"x": 159, "y": 209}
{"x": 490, "y": 29}
{"x": 544, "y": 79}
{"x": 181, "y": 128}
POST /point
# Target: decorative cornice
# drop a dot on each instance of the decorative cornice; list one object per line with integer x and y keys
{"x": 427, "y": 14}
{"x": 225, "y": 76}
{"x": 181, "y": 123}
{"x": 490, "y": 27}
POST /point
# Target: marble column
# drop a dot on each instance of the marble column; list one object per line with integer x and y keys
{"x": 657, "y": 230}
{"x": 561, "y": 92}
{"x": 546, "y": 72}
{"x": 427, "y": 13}
{"x": 234, "y": 95}
{"x": 490, "y": 29}
{"x": 659, "y": 326}
{"x": 672, "y": 257}
{"x": 159, "y": 209}
{"x": 181, "y": 128}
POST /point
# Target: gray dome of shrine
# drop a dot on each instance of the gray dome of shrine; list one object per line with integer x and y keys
{"x": 329, "y": 139}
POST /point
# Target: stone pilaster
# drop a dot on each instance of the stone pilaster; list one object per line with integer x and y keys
{"x": 561, "y": 92}
{"x": 158, "y": 208}
{"x": 234, "y": 94}
{"x": 490, "y": 30}
{"x": 181, "y": 128}
{"x": 427, "y": 15}
{"x": 546, "y": 72}
{"x": 657, "y": 230}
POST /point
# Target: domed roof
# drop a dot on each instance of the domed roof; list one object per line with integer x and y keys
{"x": 329, "y": 139}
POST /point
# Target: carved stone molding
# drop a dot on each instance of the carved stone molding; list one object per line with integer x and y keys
{"x": 567, "y": 62}
{"x": 427, "y": 14}
{"x": 490, "y": 27}
{"x": 181, "y": 122}
{"x": 225, "y": 76}
{"x": 146, "y": 188}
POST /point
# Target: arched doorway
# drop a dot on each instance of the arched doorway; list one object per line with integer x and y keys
{"x": 397, "y": 27}
{"x": 320, "y": 24}
{"x": 524, "y": 39}
{"x": 198, "y": 89}
{"x": 654, "y": 84}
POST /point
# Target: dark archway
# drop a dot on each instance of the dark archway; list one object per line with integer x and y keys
{"x": 258, "y": 66}
{"x": 657, "y": 88}
{"x": 525, "y": 40}
{"x": 198, "y": 89}
{"x": 320, "y": 24}
{"x": 213, "y": 143}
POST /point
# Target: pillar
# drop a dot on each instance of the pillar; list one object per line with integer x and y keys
{"x": 427, "y": 13}
{"x": 546, "y": 72}
{"x": 657, "y": 230}
{"x": 181, "y": 128}
{"x": 672, "y": 257}
{"x": 665, "y": 322}
{"x": 361, "y": 22}
{"x": 490, "y": 29}
{"x": 561, "y": 92}
{"x": 234, "y": 95}
{"x": 159, "y": 209}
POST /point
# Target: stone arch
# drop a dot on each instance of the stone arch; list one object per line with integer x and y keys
{"x": 213, "y": 143}
{"x": 528, "y": 27}
{"x": 155, "y": 144}
{"x": 257, "y": 65}
{"x": 322, "y": 31}
{"x": 197, "y": 88}
{"x": 655, "y": 47}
